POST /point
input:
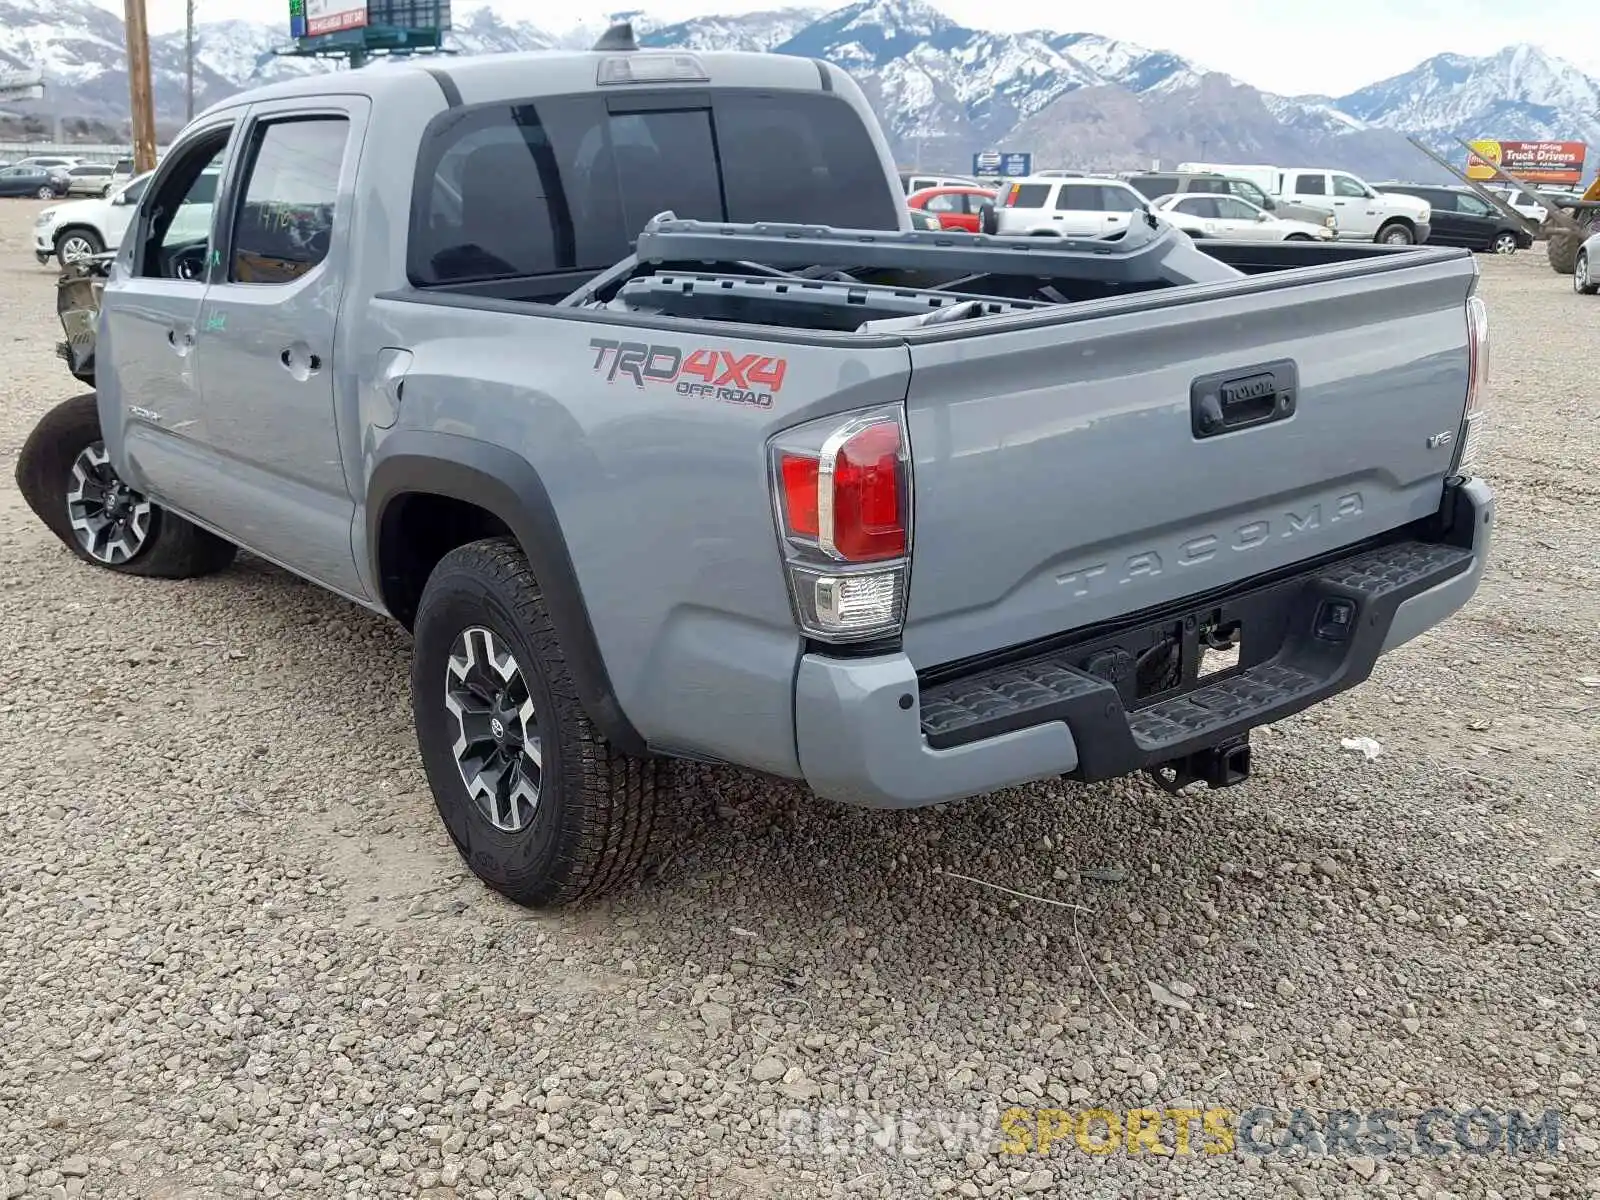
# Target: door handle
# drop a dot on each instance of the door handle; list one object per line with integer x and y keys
{"x": 301, "y": 368}
{"x": 181, "y": 340}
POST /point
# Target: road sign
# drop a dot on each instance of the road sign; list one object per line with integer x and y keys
{"x": 21, "y": 85}
{"x": 1008, "y": 163}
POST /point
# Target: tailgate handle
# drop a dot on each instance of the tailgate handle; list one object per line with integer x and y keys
{"x": 1243, "y": 398}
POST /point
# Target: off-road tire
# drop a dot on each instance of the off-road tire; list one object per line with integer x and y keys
{"x": 1562, "y": 249}
{"x": 172, "y": 547}
{"x": 591, "y": 823}
{"x": 1390, "y": 235}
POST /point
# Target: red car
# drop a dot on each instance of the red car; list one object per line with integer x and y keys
{"x": 953, "y": 207}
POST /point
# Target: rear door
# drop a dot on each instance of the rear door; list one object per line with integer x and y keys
{"x": 1479, "y": 223}
{"x": 268, "y": 339}
{"x": 1059, "y": 481}
{"x": 1080, "y": 210}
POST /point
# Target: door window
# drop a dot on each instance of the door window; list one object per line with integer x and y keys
{"x": 1199, "y": 206}
{"x": 1229, "y": 208}
{"x": 284, "y": 222}
{"x": 946, "y": 202}
{"x": 1471, "y": 205}
{"x": 178, "y": 211}
{"x": 1345, "y": 185}
{"x": 1079, "y": 197}
{"x": 1310, "y": 185}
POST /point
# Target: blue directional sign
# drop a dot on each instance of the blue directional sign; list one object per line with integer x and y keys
{"x": 987, "y": 164}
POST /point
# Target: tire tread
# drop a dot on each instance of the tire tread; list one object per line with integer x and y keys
{"x": 609, "y": 797}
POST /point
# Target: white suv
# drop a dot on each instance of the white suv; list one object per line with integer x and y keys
{"x": 67, "y": 232}
{"x": 1082, "y": 206}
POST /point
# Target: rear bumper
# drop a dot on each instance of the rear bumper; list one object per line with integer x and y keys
{"x": 871, "y": 732}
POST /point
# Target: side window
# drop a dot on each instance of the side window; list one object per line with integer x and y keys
{"x": 1310, "y": 185}
{"x": 947, "y": 202}
{"x": 1471, "y": 205}
{"x": 284, "y": 222}
{"x": 1031, "y": 195}
{"x": 1078, "y": 198}
{"x": 1215, "y": 186}
{"x": 177, "y": 215}
{"x": 1199, "y": 206}
{"x": 1345, "y": 185}
{"x": 1231, "y": 209}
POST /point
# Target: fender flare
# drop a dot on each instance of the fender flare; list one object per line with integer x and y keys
{"x": 505, "y": 484}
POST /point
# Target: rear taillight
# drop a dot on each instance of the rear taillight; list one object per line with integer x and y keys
{"x": 1012, "y": 193}
{"x": 842, "y": 488}
{"x": 1476, "y": 416}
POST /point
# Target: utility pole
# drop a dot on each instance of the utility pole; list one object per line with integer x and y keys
{"x": 188, "y": 61}
{"x": 140, "y": 99}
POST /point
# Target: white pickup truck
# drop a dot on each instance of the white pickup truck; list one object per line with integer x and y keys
{"x": 1363, "y": 213}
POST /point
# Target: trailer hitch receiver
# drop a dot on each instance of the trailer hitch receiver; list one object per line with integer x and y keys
{"x": 1223, "y": 765}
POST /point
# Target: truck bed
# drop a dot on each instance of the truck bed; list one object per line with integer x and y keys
{"x": 1063, "y": 474}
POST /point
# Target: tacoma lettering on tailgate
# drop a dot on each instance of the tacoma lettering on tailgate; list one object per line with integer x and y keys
{"x": 715, "y": 374}
{"x": 1193, "y": 551}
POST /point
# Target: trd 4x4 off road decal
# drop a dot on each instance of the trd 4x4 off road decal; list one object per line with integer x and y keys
{"x": 724, "y": 375}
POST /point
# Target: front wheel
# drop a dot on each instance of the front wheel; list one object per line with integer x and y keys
{"x": 1505, "y": 242}
{"x": 65, "y": 475}
{"x": 76, "y": 244}
{"x": 1582, "y": 281}
{"x": 46, "y": 193}
{"x": 1396, "y": 235}
{"x": 542, "y": 809}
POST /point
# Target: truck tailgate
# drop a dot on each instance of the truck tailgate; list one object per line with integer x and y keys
{"x": 1062, "y": 476}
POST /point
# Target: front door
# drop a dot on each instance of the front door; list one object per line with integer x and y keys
{"x": 268, "y": 339}
{"x": 1355, "y": 207}
{"x": 150, "y": 402}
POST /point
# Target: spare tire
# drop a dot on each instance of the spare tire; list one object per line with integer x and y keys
{"x": 989, "y": 220}
{"x": 1562, "y": 250}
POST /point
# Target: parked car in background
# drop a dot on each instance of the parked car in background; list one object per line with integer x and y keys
{"x": 1156, "y": 184}
{"x": 31, "y": 181}
{"x": 1364, "y": 213}
{"x": 87, "y": 179}
{"x": 1229, "y": 217}
{"x": 1081, "y": 206}
{"x": 1533, "y": 211}
{"x": 85, "y": 228}
{"x": 48, "y": 162}
{"x": 1463, "y": 218}
{"x": 917, "y": 181}
{"x": 1586, "y": 273}
{"x": 953, "y": 207}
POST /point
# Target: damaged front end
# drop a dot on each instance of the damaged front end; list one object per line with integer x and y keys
{"x": 78, "y": 292}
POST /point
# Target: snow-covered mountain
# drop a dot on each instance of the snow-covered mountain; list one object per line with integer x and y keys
{"x": 942, "y": 89}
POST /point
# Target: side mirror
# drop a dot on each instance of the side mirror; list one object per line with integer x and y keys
{"x": 1270, "y": 204}
{"x": 1263, "y": 216}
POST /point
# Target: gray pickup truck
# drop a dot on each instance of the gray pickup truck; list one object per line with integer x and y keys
{"x": 549, "y": 359}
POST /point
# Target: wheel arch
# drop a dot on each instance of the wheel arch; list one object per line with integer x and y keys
{"x": 415, "y": 467}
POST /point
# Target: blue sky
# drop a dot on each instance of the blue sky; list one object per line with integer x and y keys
{"x": 1279, "y": 45}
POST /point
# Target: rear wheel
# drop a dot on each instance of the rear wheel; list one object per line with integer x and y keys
{"x": 65, "y": 475}
{"x": 1397, "y": 234}
{"x": 1505, "y": 242}
{"x": 1298, "y": 237}
{"x": 542, "y": 809}
{"x": 46, "y": 193}
{"x": 1583, "y": 282}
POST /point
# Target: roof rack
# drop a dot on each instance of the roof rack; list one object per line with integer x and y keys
{"x": 1150, "y": 252}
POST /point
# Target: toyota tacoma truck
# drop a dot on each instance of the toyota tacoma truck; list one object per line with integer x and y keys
{"x": 548, "y": 359}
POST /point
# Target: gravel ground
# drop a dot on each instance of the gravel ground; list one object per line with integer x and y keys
{"x": 239, "y": 956}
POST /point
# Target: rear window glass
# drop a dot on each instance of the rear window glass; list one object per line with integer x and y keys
{"x": 1154, "y": 186}
{"x": 1029, "y": 195}
{"x": 566, "y": 184}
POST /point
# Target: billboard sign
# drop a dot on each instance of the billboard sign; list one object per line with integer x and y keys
{"x": 21, "y": 85}
{"x": 313, "y": 18}
{"x": 1531, "y": 162}
{"x": 987, "y": 164}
